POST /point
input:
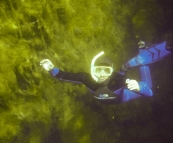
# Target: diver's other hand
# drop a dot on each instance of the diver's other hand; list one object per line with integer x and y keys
{"x": 132, "y": 85}
{"x": 47, "y": 64}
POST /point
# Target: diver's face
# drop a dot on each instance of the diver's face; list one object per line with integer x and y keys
{"x": 102, "y": 79}
{"x": 102, "y": 73}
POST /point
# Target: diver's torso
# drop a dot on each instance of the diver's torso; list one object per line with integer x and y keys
{"x": 113, "y": 83}
{"x": 105, "y": 91}
{"x": 116, "y": 81}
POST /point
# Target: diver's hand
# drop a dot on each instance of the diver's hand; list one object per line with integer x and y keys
{"x": 132, "y": 85}
{"x": 47, "y": 64}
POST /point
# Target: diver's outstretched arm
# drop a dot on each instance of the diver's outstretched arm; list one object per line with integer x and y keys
{"x": 79, "y": 78}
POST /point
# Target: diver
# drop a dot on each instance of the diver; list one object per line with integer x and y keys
{"x": 112, "y": 87}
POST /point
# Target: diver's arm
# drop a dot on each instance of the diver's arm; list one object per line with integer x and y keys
{"x": 135, "y": 90}
{"x": 68, "y": 76}
{"x": 140, "y": 87}
{"x": 146, "y": 82}
{"x": 56, "y": 72}
{"x": 80, "y": 77}
{"x": 132, "y": 85}
{"x": 144, "y": 86}
{"x": 144, "y": 89}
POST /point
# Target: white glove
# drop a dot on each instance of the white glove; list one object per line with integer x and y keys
{"x": 132, "y": 85}
{"x": 47, "y": 64}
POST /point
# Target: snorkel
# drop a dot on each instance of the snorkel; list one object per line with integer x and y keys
{"x": 92, "y": 65}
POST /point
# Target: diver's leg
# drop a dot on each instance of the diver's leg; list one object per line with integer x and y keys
{"x": 147, "y": 56}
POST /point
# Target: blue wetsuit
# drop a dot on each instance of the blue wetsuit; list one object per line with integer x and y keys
{"x": 114, "y": 87}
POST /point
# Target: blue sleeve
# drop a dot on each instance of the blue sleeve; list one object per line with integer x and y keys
{"x": 145, "y": 85}
{"x": 144, "y": 89}
{"x": 54, "y": 71}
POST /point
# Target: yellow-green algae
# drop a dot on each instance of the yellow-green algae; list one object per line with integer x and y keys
{"x": 34, "y": 107}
